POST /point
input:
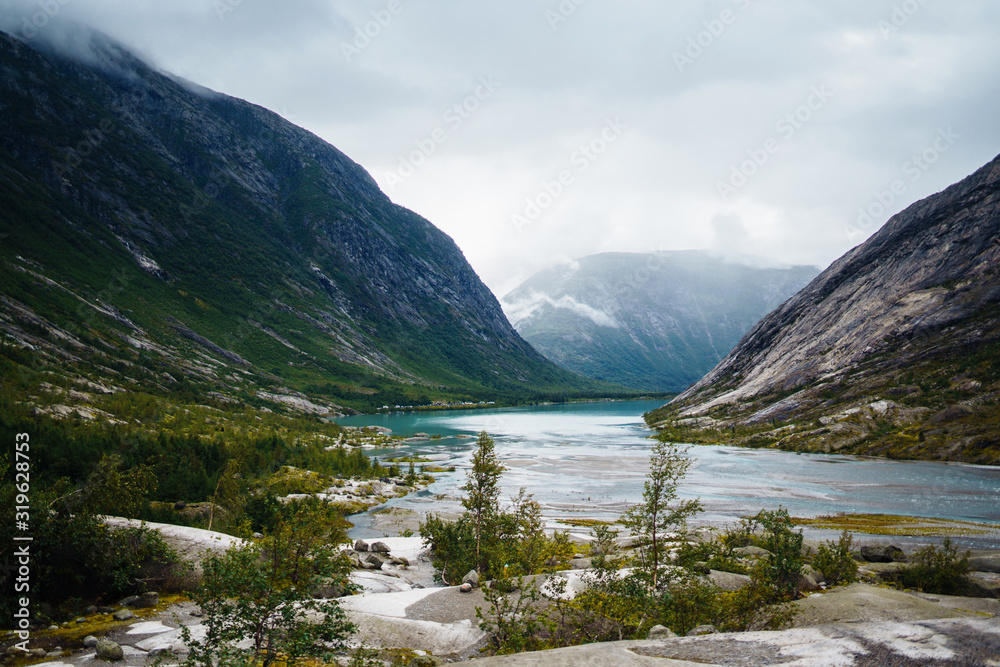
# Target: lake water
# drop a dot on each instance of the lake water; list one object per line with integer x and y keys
{"x": 589, "y": 460}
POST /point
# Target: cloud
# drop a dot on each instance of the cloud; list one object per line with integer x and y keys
{"x": 521, "y": 310}
{"x": 688, "y": 129}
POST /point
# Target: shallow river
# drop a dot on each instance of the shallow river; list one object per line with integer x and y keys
{"x": 590, "y": 460}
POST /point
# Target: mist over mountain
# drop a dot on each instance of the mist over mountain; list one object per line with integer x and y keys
{"x": 894, "y": 350}
{"x": 652, "y": 322}
{"x": 157, "y": 235}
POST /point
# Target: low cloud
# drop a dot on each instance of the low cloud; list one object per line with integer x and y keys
{"x": 521, "y": 310}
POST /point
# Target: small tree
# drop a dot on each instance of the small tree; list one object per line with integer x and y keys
{"x": 660, "y": 512}
{"x": 482, "y": 501}
{"x": 262, "y": 592}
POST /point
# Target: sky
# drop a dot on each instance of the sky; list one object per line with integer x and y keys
{"x": 534, "y": 132}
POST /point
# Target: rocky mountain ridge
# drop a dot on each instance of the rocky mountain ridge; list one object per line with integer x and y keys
{"x": 894, "y": 350}
{"x": 651, "y": 321}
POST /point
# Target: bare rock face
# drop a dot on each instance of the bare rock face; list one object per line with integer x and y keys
{"x": 912, "y": 314}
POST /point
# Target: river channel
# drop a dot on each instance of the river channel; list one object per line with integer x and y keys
{"x": 589, "y": 460}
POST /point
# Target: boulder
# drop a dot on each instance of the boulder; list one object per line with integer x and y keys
{"x": 465, "y": 588}
{"x": 105, "y": 610}
{"x": 751, "y": 552}
{"x": 806, "y": 584}
{"x": 375, "y": 561}
{"x": 728, "y": 581}
{"x": 37, "y": 653}
{"x": 123, "y": 615}
{"x": 129, "y": 601}
{"x": 989, "y": 562}
{"x": 702, "y": 630}
{"x": 399, "y": 560}
{"x": 983, "y": 587}
{"x": 90, "y": 610}
{"x": 425, "y": 661}
{"x": 90, "y": 641}
{"x": 109, "y": 650}
{"x": 581, "y": 563}
{"x": 472, "y": 578}
{"x": 147, "y": 599}
{"x": 361, "y": 545}
{"x": 883, "y": 553}
{"x": 817, "y": 575}
{"x": 661, "y": 632}
{"x": 80, "y": 619}
{"x": 379, "y": 548}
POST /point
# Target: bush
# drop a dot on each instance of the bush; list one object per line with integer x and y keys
{"x": 943, "y": 571}
{"x": 835, "y": 561}
{"x": 264, "y": 591}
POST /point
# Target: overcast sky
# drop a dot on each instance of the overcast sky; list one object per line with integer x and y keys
{"x": 536, "y": 131}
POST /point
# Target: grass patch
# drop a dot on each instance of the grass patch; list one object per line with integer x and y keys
{"x": 902, "y": 526}
{"x": 585, "y": 523}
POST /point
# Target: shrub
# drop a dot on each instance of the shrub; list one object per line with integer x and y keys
{"x": 943, "y": 571}
{"x": 835, "y": 561}
{"x": 263, "y": 591}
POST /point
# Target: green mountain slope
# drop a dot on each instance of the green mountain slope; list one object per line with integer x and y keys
{"x": 653, "y": 322}
{"x": 158, "y": 237}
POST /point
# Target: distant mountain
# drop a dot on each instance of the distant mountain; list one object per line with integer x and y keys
{"x": 652, "y": 322}
{"x": 894, "y": 350}
{"x": 161, "y": 237}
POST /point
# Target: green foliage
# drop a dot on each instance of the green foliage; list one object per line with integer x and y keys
{"x": 482, "y": 499}
{"x": 932, "y": 570}
{"x": 835, "y": 561}
{"x": 73, "y": 553}
{"x": 452, "y": 544}
{"x": 772, "y": 530}
{"x": 660, "y": 513}
{"x": 262, "y": 591}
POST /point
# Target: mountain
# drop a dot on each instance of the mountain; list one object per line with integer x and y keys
{"x": 894, "y": 350}
{"x": 160, "y": 237}
{"x": 652, "y": 322}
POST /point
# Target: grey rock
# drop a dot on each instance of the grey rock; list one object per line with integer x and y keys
{"x": 105, "y": 610}
{"x": 109, "y": 650}
{"x": 426, "y": 661}
{"x": 379, "y": 548}
{"x": 702, "y": 630}
{"x": 581, "y": 563}
{"x": 465, "y": 588}
{"x": 472, "y": 578}
{"x": 361, "y": 545}
{"x": 728, "y": 581}
{"x": 981, "y": 587}
{"x": 882, "y": 554}
{"x": 90, "y": 610}
{"x": 129, "y": 601}
{"x": 160, "y": 650}
{"x": 817, "y": 575}
{"x": 90, "y": 641}
{"x": 806, "y": 584}
{"x": 123, "y": 615}
{"x": 661, "y": 632}
{"x": 375, "y": 561}
{"x": 147, "y": 599}
{"x": 80, "y": 619}
{"x": 37, "y": 653}
{"x": 985, "y": 563}
{"x": 751, "y": 552}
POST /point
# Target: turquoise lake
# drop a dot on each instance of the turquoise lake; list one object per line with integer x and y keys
{"x": 589, "y": 460}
